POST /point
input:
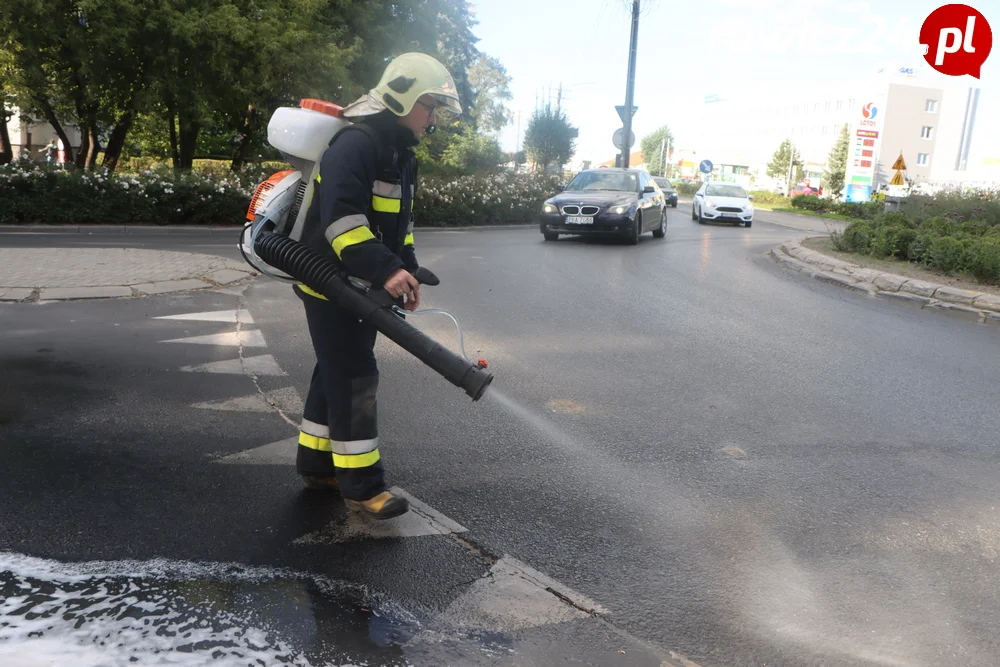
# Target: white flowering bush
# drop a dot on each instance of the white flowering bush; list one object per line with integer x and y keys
{"x": 34, "y": 194}
{"x": 501, "y": 198}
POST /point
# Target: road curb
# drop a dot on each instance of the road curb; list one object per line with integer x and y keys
{"x": 977, "y": 306}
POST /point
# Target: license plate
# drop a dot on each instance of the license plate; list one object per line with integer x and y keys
{"x": 579, "y": 220}
{"x": 730, "y": 215}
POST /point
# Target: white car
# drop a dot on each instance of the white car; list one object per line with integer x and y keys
{"x": 725, "y": 202}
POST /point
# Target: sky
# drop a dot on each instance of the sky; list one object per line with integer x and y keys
{"x": 688, "y": 50}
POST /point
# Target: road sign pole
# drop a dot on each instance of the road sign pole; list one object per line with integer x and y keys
{"x": 630, "y": 87}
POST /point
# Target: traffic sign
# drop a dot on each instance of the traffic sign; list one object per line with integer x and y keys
{"x": 706, "y": 167}
{"x": 619, "y": 135}
{"x": 899, "y": 163}
{"x": 621, "y": 111}
{"x": 897, "y": 179}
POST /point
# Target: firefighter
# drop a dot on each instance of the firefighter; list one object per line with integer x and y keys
{"x": 361, "y": 218}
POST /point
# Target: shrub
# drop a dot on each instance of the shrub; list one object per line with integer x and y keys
{"x": 860, "y": 210}
{"x": 858, "y": 237}
{"x": 948, "y": 254}
{"x": 482, "y": 200}
{"x": 768, "y": 198}
{"x": 35, "y": 194}
{"x": 891, "y": 241}
{"x": 809, "y": 203}
{"x": 984, "y": 260}
{"x": 687, "y": 188}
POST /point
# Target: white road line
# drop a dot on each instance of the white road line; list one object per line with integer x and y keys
{"x": 510, "y": 597}
{"x": 251, "y": 338}
{"x": 264, "y": 364}
{"x": 420, "y": 521}
{"x": 242, "y": 316}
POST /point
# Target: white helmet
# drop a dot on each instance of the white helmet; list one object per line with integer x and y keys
{"x": 405, "y": 80}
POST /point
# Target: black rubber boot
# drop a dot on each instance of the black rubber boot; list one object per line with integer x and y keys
{"x": 383, "y": 506}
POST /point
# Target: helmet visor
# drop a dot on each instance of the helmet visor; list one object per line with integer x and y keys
{"x": 447, "y": 107}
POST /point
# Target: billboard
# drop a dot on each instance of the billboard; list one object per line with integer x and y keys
{"x": 865, "y": 135}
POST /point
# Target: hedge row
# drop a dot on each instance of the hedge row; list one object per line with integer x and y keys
{"x": 860, "y": 210}
{"x": 211, "y": 194}
{"x": 952, "y": 243}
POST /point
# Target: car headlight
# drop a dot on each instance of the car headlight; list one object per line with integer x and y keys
{"x": 710, "y": 204}
{"x": 620, "y": 210}
{"x": 550, "y": 208}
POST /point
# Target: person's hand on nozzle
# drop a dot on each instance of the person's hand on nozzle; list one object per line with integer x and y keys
{"x": 402, "y": 283}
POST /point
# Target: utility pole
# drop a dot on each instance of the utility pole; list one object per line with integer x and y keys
{"x": 663, "y": 157}
{"x": 630, "y": 87}
{"x": 517, "y": 144}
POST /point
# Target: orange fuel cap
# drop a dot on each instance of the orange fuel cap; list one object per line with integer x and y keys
{"x": 482, "y": 363}
{"x": 322, "y": 106}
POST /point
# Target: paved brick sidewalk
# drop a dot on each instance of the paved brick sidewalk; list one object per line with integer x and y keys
{"x": 45, "y": 274}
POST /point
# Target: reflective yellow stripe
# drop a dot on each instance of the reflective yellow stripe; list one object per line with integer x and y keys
{"x": 408, "y": 240}
{"x": 312, "y": 292}
{"x": 313, "y": 442}
{"x": 357, "y": 461}
{"x": 356, "y": 235}
{"x": 385, "y": 204}
{"x": 319, "y": 179}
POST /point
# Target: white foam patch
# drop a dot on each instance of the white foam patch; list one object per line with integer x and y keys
{"x": 152, "y": 613}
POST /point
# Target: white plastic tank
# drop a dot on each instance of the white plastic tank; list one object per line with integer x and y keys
{"x": 305, "y": 131}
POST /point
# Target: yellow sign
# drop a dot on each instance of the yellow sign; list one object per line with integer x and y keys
{"x": 897, "y": 179}
{"x": 899, "y": 164}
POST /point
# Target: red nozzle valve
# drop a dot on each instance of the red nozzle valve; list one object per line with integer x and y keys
{"x": 482, "y": 364}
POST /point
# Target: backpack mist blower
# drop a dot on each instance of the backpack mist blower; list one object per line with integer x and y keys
{"x": 271, "y": 243}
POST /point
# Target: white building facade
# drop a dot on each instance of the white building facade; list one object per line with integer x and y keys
{"x": 930, "y": 124}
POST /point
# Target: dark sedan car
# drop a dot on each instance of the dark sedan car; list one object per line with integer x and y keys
{"x": 622, "y": 202}
{"x": 669, "y": 191}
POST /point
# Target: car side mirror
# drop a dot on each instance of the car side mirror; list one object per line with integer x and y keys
{"x": 561, "y": 188}
{"x": 750, "y": 197}
{"x": 648, "y": 189}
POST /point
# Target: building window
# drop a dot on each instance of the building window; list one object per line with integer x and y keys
{"x": 923, "y": 159}
{"x": 931, "y": 106}
{"x": 850, "y": 103}
{"x": 840, "y": 104}
{"x": 926, "y": 132}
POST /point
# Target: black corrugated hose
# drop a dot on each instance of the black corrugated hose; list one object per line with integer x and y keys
{"x": 321, "y": 275}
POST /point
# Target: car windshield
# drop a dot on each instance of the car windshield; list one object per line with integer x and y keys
{"x": 726, "y": 191}
{"x": 664, "y": 183}
{"x": 606, "y": 180}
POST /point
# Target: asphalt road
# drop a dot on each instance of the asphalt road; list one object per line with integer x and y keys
{"x": 737, "y": 465}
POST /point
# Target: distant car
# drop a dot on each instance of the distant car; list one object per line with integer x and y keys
{"x": 726, "y": 202}
{"x": 804, "y": 189}
{"x": 621, "y": 202}
{"x": 669, "y": 192}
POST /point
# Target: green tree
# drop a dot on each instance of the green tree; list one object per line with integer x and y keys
{"x": 836, "y": 164}
{"x": 491, "y": 88}
{"x": 549, "y": 138}
{"x": 6, "y": 71}
{"x": 655, "y": 146}
{"x": 779, "y": 165}
{"x": 472, "y": 152}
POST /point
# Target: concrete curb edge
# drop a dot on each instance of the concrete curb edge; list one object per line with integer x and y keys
{"x": 982, "y": 307}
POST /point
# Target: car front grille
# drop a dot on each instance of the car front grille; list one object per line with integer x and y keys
{"x": 589, "y": 210}
{"x": 729, "y": 209}
{"x": 571, "y": 210}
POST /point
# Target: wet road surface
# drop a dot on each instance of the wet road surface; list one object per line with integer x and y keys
{"x": 727, "y": 463}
